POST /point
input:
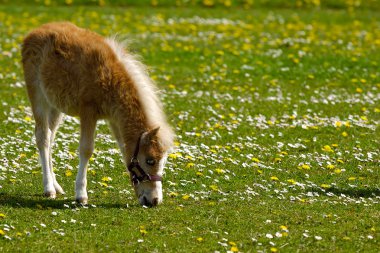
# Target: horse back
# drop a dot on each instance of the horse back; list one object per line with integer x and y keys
{"x": 71, "y": 66}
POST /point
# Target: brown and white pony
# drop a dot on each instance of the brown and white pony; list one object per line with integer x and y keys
{"x": 74, "y": 71}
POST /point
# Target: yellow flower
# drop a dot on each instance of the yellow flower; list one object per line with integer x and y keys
{"x": 274, "y": 178}
{"x": 143, "y": 230}
{"x": 200, "y": 239}
{"x": 68, "y": 173}
{"x": 344, "y": 134}
{"x": 214, "y": 187}
{"x": 2, "y": 232}
{"x": 305, "y": 166}
{"x": 185, "y": 197}
{"x": 173, "y": 194}
{"x": 220, "y": 171}
{"x": 190, "y": 165}
{"x": 175, "y": 155}
{"x": 2, "y": 215}
{"x": 330, "y": 166}
{"x": 359, "y": 90}
{"x": 351, "y": 178}
{"x": 106, "y": 179}
{"x": 273, "y": 249}
{"x": 234, "y": 249}
{"x": 327, "y": 148}
{"x": 325, "y": 186}
{"x": 255, "y": 160}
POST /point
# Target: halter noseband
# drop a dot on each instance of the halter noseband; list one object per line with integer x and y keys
{"x": 135, "y": 169}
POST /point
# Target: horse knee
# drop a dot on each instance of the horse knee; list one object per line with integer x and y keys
{"x": 86, "y": 151}
{"x": 42, "y": 137}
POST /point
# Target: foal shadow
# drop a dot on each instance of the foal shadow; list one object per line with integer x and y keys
{"x": 35, "y": 201}
{"x": 38, "y": 201}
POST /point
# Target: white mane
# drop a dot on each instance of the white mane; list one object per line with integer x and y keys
{"x": 146, "y": 91}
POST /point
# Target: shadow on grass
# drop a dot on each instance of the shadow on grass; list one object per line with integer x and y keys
{"x": 351, "y": 192}
{"x": 31, "y": 201}
{"x": 40, "y": 202}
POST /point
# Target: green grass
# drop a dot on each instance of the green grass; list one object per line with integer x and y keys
{"x": 277, "y": 119}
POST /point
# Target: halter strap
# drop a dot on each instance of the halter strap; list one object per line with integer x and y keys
{"x": 135, "y": 169}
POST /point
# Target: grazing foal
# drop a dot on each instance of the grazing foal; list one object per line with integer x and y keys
{"x": 74, "y": 71}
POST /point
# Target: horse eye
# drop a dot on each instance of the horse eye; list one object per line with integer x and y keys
{"x": 150, "y": 161}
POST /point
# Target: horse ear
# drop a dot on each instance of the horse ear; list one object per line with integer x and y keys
{"x": 151, "y": 135}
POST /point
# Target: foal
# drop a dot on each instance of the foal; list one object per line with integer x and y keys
{"x": 74, "y": 71}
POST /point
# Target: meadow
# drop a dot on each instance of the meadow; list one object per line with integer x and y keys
{"x": 276, "y": 111}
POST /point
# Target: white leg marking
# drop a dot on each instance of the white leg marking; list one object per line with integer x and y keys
{"x": 55, "y": 118}
{"x": 43, "y": 143}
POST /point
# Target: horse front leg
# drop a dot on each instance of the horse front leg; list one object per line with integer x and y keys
{"x": 86, "y": 148}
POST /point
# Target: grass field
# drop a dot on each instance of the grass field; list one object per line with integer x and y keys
{"x": 277, "y": 115}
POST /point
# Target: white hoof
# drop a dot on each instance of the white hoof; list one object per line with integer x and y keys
{"x": 82, "y": 201}
{"x": 50, "y": 194}
{"x": 59, "y": 189}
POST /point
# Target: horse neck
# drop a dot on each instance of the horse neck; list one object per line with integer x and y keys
{"x": 129, "y": 123}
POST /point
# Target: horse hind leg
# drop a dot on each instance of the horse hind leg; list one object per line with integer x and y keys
{"x": 54, "y": 119}
{"x": 40, "y": 108}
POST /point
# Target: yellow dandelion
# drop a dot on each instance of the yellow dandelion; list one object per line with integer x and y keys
{"x": 106, "y": 179}
{"x": 351, "y": 178}
{"x": 175, "y": 155}
{"x": 327, "y": 148}
{"x": 185, "y": 197}
{"x": 330, "y": 166}
{"x": 2, "y": 232}
{"x": 256, "y": 160}
{"x": 200, "y": 239}
{"x": 214, "y": 187}
{"x": 325, "y": 186}
{"x": 143, "y": 231}
{"x": 173, "y": 194}
{"x": 274, "y": 178}
{"x": 234, "y": 249}
{"x": 68, "y": 173}
{"x": 344, "y": 134}
{"x": 2, "y": 215}
{"x": 220, "y": 171}
{"x": 199, "y": 174}
{"x": 273, "y": 249}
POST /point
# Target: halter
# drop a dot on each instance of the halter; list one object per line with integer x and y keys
{"x": 135, "y": 169}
